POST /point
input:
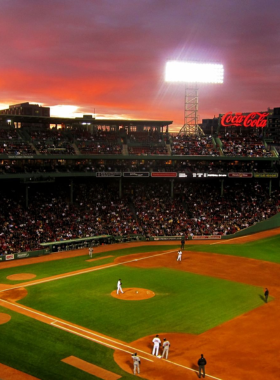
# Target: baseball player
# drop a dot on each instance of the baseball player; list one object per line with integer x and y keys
{"x": 166, "y": 345}
{"x": 157, "y": 343}
{"x": 136, "y": 363}
{"x": 119, "y": 286}
{"x": 90, "y": 251}
{"x": 179, "y": 257}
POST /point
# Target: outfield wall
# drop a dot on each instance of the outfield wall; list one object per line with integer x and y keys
{"x": 23, "y": 255}
{"x": 267, "y": 224}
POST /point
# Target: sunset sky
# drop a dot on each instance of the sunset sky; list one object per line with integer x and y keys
{"x": 108, "y": 56}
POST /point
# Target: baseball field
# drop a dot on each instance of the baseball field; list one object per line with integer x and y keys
{"x": 61, "y": 318}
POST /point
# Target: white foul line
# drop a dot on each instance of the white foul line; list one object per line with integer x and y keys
{"x": 55, "y": 321}
{"x": 71, "y": 329}
{"x": 219, "y": 242}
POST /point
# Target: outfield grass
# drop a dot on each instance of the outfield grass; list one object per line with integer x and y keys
{"x": 37, "y": 348}
{"x": 184, "y": 302}
{"x": 265, "y": 249}
{"x": 53, "y": 268}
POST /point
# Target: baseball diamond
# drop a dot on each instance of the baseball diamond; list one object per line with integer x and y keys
{"x": 212, "y": 308}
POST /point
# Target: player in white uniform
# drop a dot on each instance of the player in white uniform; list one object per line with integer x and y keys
{"x": 136, "y": 363}
{"x": 90, "y": 250}
{"x": 166, "y": 345}
{"x": 179, "y": 257}
{"x": 157, "y": 343}
{"x": 119, "y": 286}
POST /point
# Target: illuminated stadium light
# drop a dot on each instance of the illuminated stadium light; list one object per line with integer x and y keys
{"x": 192, "y": 72}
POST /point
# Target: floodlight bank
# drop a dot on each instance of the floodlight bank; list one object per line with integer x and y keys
{"x": 193, "y": 72}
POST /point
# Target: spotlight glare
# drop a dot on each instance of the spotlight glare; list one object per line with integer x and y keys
{"x": 193, "y": 72}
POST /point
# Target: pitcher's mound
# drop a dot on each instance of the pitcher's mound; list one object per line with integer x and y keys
{"x": 21, "y": 276}
{"x": 4, "y": 318}
{"x": 133, "y": 294}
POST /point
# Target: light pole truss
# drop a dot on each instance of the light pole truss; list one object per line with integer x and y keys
{"x": 190, "y": 126}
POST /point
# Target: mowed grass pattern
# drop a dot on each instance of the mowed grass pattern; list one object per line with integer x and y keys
{"x": 265, "y": 249}
{"x": 57, "y": 267}
{"x": 184, "y": 302}
{"x": 37, "y": 349}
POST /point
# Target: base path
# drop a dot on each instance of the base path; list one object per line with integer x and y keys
{"x": 8, "y": 373}
{"x": 91, "y": 368}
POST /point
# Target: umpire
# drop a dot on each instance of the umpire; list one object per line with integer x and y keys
{"x": 201, "y": 365}
{"x": 183, "y": 242}
{"x": 266, "y": 294}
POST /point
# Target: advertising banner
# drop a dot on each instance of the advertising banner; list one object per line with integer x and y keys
{"x": 10, "y": 257}
{"x": 156, "y": 238}
{"x": 208, "y": 175}
{"x": 136, "y": 174}
{"x": 240, "y": 175}
{"x": 108, "y": 174}
{"x": 163, "y": 174}
{"x": 22, "y": 255}
{"x": 207, "y": 237}
{"x": 253, "y": 119}
{"x": 266, "y": 175}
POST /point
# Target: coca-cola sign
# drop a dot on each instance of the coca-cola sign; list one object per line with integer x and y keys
{"x": 253, "y": 119}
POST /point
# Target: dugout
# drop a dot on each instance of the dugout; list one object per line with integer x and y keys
{"x": 69, "y": 245}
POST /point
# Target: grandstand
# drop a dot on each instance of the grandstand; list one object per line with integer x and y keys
{"x": 65, "y": 179}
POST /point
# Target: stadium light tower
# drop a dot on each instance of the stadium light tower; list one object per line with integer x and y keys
{"x": 192, "y": 73}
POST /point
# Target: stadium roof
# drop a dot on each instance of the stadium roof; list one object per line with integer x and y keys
{"x": 86, "y": 119}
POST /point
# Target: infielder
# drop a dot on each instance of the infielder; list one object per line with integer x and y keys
{"x": 136, "y": 363}
{"x": 179, "y": 257}
{"x": 119, "y": 286}
{"x": 166, "y": 345}
{"x": 157, "y": 343}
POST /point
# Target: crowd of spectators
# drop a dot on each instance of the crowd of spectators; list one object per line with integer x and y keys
{"x": 146, "y": 143}
{"x": 246, "y": 146}
{"x": 145, "y": 137}
{"x": 99, "y": 148}
{"x": 9, "y": 134}
{"x": 194, "y": 146}
{"x": 81, "y": 141}
{"x": 146, "y": 209}
{"x": 148, "y": 150}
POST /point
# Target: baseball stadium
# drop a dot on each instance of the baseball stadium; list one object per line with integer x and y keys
{"x": 86, "y": 203}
